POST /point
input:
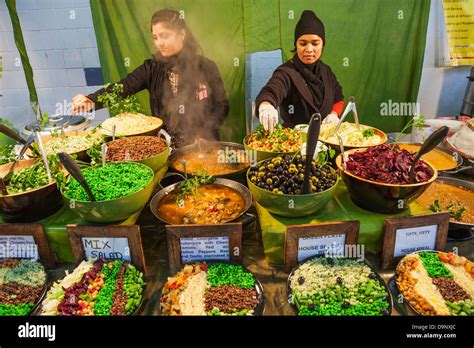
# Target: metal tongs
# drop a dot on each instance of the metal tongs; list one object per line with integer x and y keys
{"x": 351, "y": 106}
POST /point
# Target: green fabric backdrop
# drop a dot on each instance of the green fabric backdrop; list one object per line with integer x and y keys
{"x": 383, "y": 42}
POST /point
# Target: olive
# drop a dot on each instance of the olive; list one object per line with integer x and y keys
{"x": 330, "y": 261}
{"x": 372, "y": 275}
{"x": 339, "y": 281}
{"x": 301, "y": 280}
{"x": 346, "y": 304}
{"x": 269, "y": 181}
{"x": 262, "y": 169}
{"x": 311, "y": 307}
{"x": 290, "y": 181}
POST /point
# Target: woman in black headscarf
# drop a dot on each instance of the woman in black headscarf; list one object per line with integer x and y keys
{"x": 304, "y": 85}
{"x": 186, "y": 89}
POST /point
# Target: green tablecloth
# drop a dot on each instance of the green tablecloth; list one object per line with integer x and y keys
{"x": 340, "y": 208}
{"x": 55, "y": 225}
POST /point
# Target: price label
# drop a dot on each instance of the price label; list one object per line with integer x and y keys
{"x": 409, "y": 240}
{"x": 312, "y": 246}
{"x": 209, "y": 248}
{"x": 18, "y": 247}
{"x": 106, "y": 248}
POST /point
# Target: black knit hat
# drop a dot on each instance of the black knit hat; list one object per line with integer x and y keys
{"x": 309, "y": 23}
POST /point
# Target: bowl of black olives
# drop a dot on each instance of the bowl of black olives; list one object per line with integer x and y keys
{"x": 276, "y": 184}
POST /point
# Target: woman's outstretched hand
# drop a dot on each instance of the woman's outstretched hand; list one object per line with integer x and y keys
{"x": 81, "y": 104}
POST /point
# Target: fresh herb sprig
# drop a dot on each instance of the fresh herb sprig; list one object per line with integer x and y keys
{"x": 114, "y": 100}
{"x": 190, "y": 186}
{"x": 455, "y": 211}
{"x": 416, "y": 122}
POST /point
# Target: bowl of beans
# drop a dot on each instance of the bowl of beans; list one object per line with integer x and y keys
{"x": 148, "y": 150}
{"x": 121, "y": 189}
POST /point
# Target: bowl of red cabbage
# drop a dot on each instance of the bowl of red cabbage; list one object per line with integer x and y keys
{"x": 377, "y": 177}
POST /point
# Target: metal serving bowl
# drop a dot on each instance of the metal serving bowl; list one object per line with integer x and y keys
{"x": 32, "y": 205}
{"x": 115, "y": 209}
{"x": 379, "y": 197}
{"x": 292, "y": 205}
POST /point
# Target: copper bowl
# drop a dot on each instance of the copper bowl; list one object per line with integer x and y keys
{"x": 32, "y": 205}
{"x": 379, "y": 197}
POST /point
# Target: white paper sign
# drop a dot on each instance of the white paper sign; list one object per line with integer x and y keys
{"x": 312, "y": 246}
{"x": 409, "y": 240}
{"x": 204, "y": 248}
{"x": 18, "y": 247}
{"x": 107, "y": 248}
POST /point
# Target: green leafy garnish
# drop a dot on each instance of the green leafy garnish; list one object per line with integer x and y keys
{"x": 325, "y": 155}
{"x": 455, "y": 211}
{"x": 190, "y": 186}
{"x": 114, "y": 100}
{"x": 369, "y": 132}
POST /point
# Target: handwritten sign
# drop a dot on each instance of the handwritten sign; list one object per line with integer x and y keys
{"x": 26, "y": 241}
{"x": 405, "y": 235}
{"x": 189, "y": 243}
{"x": 18, "y": 247}
{"x": 211, "y": 248}
{"x": 409, "y": 240}
{"x": 332, "y": 238}
{"x": 115, "y": 242}
{"x": 311, "y": 246}
{"x": 106, "y": 248}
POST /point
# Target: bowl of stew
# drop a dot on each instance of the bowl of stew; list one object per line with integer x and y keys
{"x": 217, "y": 158}
{"x": 219, "y": 202}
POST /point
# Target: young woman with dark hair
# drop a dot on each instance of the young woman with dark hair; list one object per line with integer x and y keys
{"x": 186, "y": 89}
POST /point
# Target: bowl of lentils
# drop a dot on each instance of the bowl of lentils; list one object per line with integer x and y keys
{"x": 148, "y": 150}
{"x": 276, "y": 185}
{"x": 121, "y": 189}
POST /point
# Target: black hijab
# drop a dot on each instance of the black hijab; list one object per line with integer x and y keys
{"x": 319, "y": 82}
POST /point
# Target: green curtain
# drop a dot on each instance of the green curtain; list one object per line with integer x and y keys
{"x": 375, "y": 47}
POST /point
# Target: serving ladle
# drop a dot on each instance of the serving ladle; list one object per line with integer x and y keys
{"x": 430, "y": 143}
{"x": 76, "y": 173}
{"x": 311, "y": 142}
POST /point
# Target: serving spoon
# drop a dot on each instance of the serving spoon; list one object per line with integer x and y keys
{"x": 76, "y": 173}
{"x": 430, "y": 143}
{"x": 312, "y": 141}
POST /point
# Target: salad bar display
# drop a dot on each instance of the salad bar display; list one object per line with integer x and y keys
{"x": 22, "y": 284}
{"x": 338, "y": 286}
{"x": 212, "y": 289}
{"x": 96, "y": 288}
{"x": 216, "y": 192}
{"x": 437, "y": 283}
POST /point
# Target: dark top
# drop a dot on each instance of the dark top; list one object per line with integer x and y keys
{"x": 192, "y": 113}
{"x": 289, "y": 90}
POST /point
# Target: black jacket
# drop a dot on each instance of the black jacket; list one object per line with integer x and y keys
{"x": 288, "y": 89}
{"x": 194, "y": 113}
